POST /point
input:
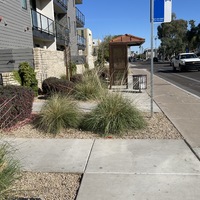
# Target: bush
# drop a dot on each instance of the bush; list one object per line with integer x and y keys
{"x": 53, "y": 85}
{"x": 28, "y": 77}
{"x": 72, "y": 68}
{"x": 86, "y": 65}
{"x": 15, "y": 104}
{"x": 9, "y": 171}
{"x": 77, "y": 78}
{"x": 104, "y": 74}
{"x": 113, "y": 115}
{"x": 91, "y": 86}
{"x": 63, "y": 77}
{"x": 17, "y": 77}
{"x": 58, "y": 113}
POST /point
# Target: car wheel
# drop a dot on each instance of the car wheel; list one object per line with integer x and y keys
{"x": 181, "y": 68}
{"x": 174, "y": 68}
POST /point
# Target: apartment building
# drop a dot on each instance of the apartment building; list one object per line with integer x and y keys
{"x": 88, "y": 50}
{"x": 28, "y": 25}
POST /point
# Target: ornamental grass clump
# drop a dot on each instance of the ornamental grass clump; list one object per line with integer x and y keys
{"x": 58, "y": 113}
{"x": 9, "y": 171}
{"x": 113, "y": 115}
{"x": 91, "y": 86}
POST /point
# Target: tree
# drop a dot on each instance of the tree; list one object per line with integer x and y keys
{"x": 103, "y": 51}
{"x": 193, "y": 36}
{"x": 173, "y": 36}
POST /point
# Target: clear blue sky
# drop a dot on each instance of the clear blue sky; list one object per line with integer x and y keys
{"x": 114, "y": 17}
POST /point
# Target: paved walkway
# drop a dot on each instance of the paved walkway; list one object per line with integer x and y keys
{"x": 181, "y": 107}
{"x": 183, "y": 110}
{"x": 128, "y": 169}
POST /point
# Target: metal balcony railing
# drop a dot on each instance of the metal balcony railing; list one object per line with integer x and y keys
{"x": 63, "y": 3}
{"x": 62, "y": 32}
{"x": 80, "y": 18}
{"x": 42, "y": 23}
{"x": 81, "y": 40}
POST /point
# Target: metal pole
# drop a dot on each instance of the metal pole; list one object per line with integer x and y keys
{"x": 156, "y": 46}
{"x": 152, "y": 33}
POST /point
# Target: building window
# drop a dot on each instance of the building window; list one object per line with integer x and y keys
{"x": 82, "y": 33}
{"x": 24, "y": 4}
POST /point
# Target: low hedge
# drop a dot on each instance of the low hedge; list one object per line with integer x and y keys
{"x": 77, "y": 78}
{"x": 15, "y": 104}
{"x": 28, "y": 76}
{"x": 55, "y": 85}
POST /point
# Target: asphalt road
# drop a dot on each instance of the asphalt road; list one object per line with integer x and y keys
{"x": 189, "y": 81}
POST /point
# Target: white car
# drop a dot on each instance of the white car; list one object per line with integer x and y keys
{"x": 172, "y": 60}
{"x": 186, "y": 61}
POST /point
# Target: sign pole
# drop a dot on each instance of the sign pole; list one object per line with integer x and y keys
{"x": 152, "y": 33}
{"x": 160, "y": 12}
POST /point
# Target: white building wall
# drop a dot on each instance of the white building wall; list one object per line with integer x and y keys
{"x": 48, "y": 63}
{"x": 88, "y": 52}
{"x": 95, "y": 47}
{"x": 46, "y": 7}
{"x": 89, "y": 48}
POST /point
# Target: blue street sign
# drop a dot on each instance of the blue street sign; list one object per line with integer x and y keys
{"x": 158, "y": 10}
{"x": 162, "y": 10}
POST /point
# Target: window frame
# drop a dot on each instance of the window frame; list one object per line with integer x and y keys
{"x": 24, "y": 4}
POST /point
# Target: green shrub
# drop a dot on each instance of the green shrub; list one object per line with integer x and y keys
{"x": 77, "y": 78}
{"x": 113, "y": 115}
{"x": 17, "y": 76}
{"x": 86, "y": 65}
{"x": 104, "y": 74}
{"x": 28, "y": 77}
{"x": 15, "y": 104}
{"x": 72, "y": 68}
{"x": 9, "y": 171}
{"x": 91, "y": 86}
{"x": 63, "y": 77}
{"x": 58, "y": 113}
{"x": 53, "y": 85}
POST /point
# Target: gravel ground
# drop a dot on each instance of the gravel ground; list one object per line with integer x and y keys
{"x": 59, "y": 186}
{"x": 159, "y": 127}
{"x": 47, "y": 186}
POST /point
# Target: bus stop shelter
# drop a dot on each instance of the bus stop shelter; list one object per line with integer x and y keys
{"x": 118, "y": 59}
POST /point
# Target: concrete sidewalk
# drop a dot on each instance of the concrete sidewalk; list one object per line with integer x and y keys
{"x": 128, "y": 169}
{"x": 141, "y": 169}
{"x": 181, "y": 107}
{"x": 117, "y": 169}
{"x": 153, "y": 169}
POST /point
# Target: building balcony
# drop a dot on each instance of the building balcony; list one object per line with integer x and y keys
{"x": 60, "y": 6}
{"x": 43, "y": 27}
{"x": 81, "y": 42}
{"x": 78, "y": 59}
{"x": 80, "y": 19}
{"x": 62, "y": 34}
{"x": 78, "y": 1}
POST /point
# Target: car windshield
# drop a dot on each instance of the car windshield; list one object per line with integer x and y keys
{"x": 188, "y": 56}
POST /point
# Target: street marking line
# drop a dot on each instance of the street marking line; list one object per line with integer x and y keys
{"x": 187, "y": 78}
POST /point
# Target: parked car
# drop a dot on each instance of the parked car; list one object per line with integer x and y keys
{"x": 172, "y": 59}
{"x": 155, "y": 59}
{"x": 186, "y": 61}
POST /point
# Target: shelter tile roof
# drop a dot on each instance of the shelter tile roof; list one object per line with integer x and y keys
{"x": 128, "y": 39}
